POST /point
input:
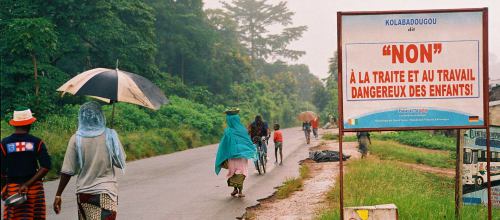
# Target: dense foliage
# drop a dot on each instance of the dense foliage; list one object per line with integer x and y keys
{"x": 181, "y": 125}
{"x": 326, "y": 98}
{"x": 189, "y": 52}
{"x": 197, "y": 57}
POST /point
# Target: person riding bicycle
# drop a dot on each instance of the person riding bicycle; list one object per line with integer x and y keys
{"x": 306, "y": 127}
{"x": 259, "y": 128}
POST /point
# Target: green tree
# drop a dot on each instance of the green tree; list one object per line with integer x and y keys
{"x": 101, "y": 32}
{"x": 332, "y": 87}
{"x": 254, "y": 18}
{"x": 321, "y": 97}
{"x": 62, "y": 38}
{"x": 197, "y": 48}
{"x": 28, "y": 37}
{"x": 222, "y": 22}
{"x": 333, "y": 70}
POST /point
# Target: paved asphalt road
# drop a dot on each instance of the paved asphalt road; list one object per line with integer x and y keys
{"x": 183, "y": 185}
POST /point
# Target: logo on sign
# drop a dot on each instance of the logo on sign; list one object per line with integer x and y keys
{"x": 20, "y": 147}
{"x": 413, "y": 110}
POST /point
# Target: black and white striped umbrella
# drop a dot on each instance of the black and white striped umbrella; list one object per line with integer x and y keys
{"x": 114, "y": 85}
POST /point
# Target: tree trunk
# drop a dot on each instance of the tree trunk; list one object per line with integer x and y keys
{"x": 252, "y": 43}
{"x": 35, "y": 72}
{"x": 182, "y": 69}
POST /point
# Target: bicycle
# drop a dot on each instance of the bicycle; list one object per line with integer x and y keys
{"x": 307, "y": 133}
{"x": 260, "y": 163}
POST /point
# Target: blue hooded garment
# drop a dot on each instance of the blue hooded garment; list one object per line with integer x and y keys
{"x": 92, "y": 123}
{"x": 235, "y": 143}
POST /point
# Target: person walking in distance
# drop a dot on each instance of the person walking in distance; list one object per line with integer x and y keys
{"x": 363, "y": 141}
{"x": 315, "y": 126}
{"x": 278, "y": 143}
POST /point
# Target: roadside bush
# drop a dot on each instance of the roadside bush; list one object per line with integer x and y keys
{"x": 330, "y": 136}
{"x": 420, "y": 139}
{"x": 178, "y": 126}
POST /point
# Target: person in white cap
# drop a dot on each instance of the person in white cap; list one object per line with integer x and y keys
{"x": 25, "y": 161}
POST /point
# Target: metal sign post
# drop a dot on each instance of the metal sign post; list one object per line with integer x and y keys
{"x": 458, "y": 174}
{"x": 488, "y": 169}
{"x": 340, "y": 121}
{"x": 341, "y": 173}
{"x": 488, "y": 140}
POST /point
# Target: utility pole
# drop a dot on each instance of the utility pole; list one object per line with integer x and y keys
{"x": 458, "y": 174}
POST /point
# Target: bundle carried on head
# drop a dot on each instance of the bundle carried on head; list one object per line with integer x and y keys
{"x": 232, "y": 111}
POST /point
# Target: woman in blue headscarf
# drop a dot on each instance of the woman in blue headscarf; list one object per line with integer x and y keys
{"x": 93, "y": 153}
{"x": 234, "y": 150}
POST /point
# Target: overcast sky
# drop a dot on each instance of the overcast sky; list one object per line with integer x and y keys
{"x": 320, "y": 40}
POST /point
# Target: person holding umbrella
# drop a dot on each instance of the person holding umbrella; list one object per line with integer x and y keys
{"x": 306, "y": 127}
{"x": 25, "y": 162}
{"x": 306, "y": 118}
{"x": 234, "y": 150}
{"x": 92, "y": 154}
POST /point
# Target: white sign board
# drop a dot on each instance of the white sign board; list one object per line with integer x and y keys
{"x": 412, "y": 70}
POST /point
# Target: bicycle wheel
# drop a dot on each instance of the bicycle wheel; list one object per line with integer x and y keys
{"x": 257, "y": 166}
{"x": 263, "y": 159}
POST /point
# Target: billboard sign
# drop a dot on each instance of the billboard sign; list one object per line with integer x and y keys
{"x": 413, "y": 69}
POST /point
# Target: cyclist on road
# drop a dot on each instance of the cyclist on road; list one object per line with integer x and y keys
{"x": 259, "y": 128}
{"x": 306, "y": 127}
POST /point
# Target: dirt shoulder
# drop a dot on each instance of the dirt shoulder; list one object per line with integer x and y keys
{"x": 311, "y": 198}
{"x": 435, "y": 170}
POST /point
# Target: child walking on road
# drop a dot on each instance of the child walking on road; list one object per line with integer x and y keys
{"x": 278, "y": 143}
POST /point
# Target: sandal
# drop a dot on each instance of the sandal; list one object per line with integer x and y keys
{"x": 234, "y": 192}
{"x": 241, "y": 195}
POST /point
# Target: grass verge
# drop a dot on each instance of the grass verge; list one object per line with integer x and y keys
{"x": 330, "y": 136}
{"x": 293, "y": 184}
{"x": 420, "y": 139}
{"x": 289, "y": 186}
{"x": 305, "y": 171}
{"x": 418, "y": 195}
{"x": 391, "y": 150}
